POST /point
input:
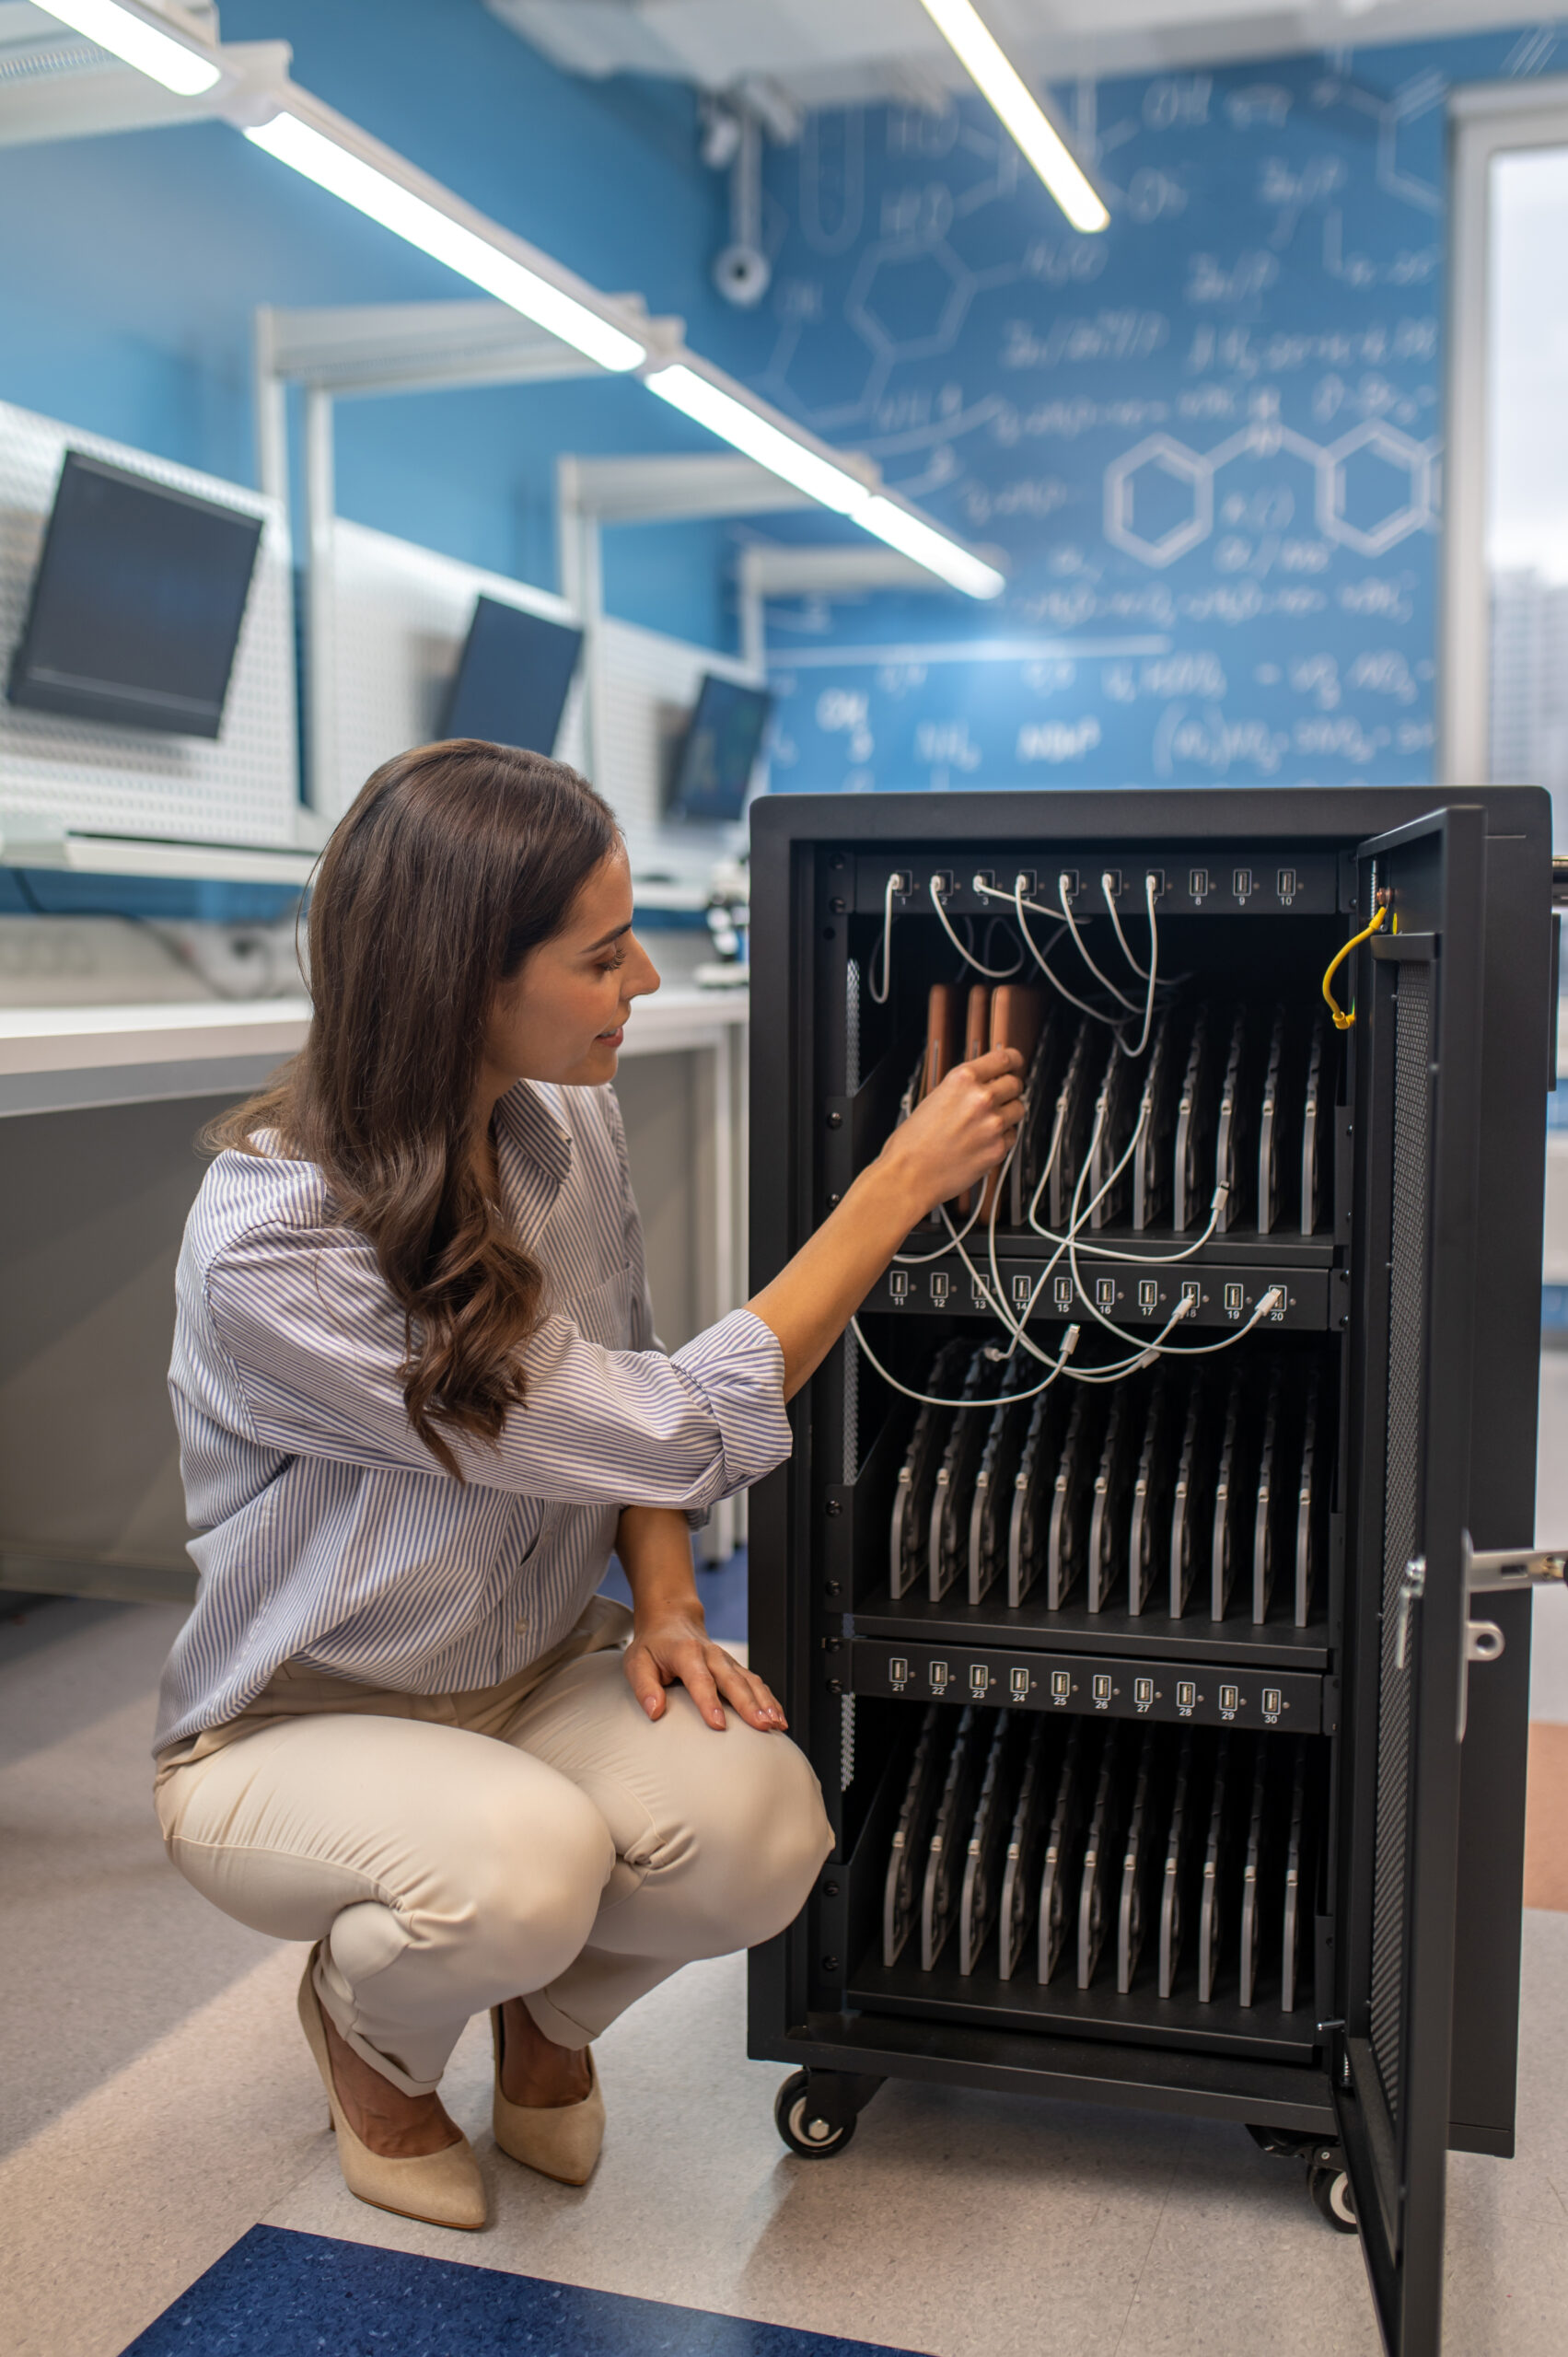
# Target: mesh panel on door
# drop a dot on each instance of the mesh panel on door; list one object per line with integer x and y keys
{"x": 1413, "y": 1015}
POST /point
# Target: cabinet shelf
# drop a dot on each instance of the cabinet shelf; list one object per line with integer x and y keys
{"x": 1149, "y": 1636}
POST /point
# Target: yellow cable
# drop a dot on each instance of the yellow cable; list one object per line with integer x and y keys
{"x": 1342, "y": 1021}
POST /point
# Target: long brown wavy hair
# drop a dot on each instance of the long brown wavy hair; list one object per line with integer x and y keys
{"x": 453, "y": 862}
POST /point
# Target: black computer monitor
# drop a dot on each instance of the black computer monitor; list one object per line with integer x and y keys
{"x": 136, "y": 604}
{"x": 514, "y": 678}
{"x": 713, "y": 769}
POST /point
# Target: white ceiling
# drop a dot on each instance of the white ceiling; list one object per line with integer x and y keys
{"x": 833, "y": 52}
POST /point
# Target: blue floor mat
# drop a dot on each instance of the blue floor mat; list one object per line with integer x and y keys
{"x": 282, "y": 2295}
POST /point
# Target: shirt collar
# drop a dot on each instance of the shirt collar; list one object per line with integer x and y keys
{"x": 528, "y": 1122}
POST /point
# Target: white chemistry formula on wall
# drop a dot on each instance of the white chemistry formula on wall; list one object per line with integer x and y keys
{"x": 1206, "y": 441}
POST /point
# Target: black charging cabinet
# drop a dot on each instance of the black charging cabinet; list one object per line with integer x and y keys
{"x": 1415, "y": 1302}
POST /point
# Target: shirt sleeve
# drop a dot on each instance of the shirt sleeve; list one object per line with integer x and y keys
{"x": 316, "y": 1341}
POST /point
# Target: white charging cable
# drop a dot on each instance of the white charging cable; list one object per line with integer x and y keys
{"x": 1040, "y": 956}
{"x": 1009, "y": 1400}
{"x": 1105, "y": 884}
{"x": 991, "y": 973}
{"x": 1064, "y": 910}
{"x": 881, "y": 995}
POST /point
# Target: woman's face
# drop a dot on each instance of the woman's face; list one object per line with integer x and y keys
{"x": 560, "y": 1018}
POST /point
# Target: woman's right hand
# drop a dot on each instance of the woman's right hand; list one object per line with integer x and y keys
{"x": 962, "y": 1131}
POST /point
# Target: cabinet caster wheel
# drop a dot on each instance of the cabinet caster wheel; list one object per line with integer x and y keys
{"x": 804, "y": 2127}
{"x": 1330, "y": 2190}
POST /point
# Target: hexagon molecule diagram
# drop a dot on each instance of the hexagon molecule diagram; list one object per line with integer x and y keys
{"x": 1390, "y": 478}
{"x": 1374, "y": 487}
{"x": 1160, "y": 455}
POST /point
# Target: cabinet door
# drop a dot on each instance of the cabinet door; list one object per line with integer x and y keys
{"x": 1417, "y": 1039}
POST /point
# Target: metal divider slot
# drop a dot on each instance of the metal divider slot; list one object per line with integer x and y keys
{"x": 948, "y": 1843}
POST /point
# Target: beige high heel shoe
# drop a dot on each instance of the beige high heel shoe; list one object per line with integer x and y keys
{"x": 442, "y": 2189}
{"x": 558, "y": 2139}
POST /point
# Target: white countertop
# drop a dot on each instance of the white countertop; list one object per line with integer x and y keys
{"x": 86, "y": 1038}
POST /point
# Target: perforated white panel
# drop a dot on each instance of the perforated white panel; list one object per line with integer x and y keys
{"x": 402, "y": 615}
{"x": 241, "y": 787}
{"x": 647, "y": 685}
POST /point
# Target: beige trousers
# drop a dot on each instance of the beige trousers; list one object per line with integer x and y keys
{"x": 543, "y": 1839}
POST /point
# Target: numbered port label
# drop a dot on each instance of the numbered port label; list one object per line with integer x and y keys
{"x": 1019, "y": 1684}
{"x": 941, "y": 1286}
{"x": 1200, "y": 883}
{"x": 1099, "y": 1687}
{"x": 1104, "y": 1292}
{"x": 938, "y": 1674}
{"x": 1272, "y": 1701}
{"x": 898, "y": 1673}
{"x": 899, "y": 1283}
{"x": 1230, "y": 1700}
{"x": 1234, "y": 1300}
{"x": 1061, "y": 1685}
{"x": 980, "y": 1680}
{"x": 1144, "y": 1693}
{"x": 1186, "y": 1694}
{"x": 1148, "y": 1295}
{"x": 1061, "y": 1292}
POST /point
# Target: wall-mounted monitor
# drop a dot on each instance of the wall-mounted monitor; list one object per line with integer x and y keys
{"x": 712, "y": 769}
{"x": 136, "y": 604}
{"x": 514, "y": 678}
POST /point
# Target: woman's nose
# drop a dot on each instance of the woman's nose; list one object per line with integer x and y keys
{"x": 642, "y": 975}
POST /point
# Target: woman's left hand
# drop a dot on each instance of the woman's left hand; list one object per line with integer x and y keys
{"x": 671, "y": 1648}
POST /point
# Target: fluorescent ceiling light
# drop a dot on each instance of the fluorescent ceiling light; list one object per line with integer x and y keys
{"x": 914, "y": 537}
{"x": 993, "y": 73}
{"x": 376, "y": 193}
{"x": 130, "y": 37}
{"x": 745, "y": 430}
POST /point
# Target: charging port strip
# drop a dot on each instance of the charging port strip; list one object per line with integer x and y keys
{"x": 1088, "y": 1685}
{"x": 1132, "y": 1293}
{"x": 1236, "y": 881}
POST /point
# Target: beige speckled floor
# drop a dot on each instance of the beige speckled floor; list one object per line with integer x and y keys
{"x": 158, "y": 2102}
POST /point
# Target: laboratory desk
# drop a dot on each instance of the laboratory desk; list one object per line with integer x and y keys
{"x": 99, "y": 1109}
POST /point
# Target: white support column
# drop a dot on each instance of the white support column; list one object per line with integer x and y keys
{"x": 270, "y": 394}
{"x": 753, "y": 616}
{"x": 321, "y": 614}
{"x": 580, "y": 560}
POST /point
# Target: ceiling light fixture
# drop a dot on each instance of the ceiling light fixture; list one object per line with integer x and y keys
{"x": 914, "y": 537}
{"x": 997, "y": 78}
{"x": 747, "y": 430}
{"x": 130, "y": 38}
{"x": 397, "y": 207}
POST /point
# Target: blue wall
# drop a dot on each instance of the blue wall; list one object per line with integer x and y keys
{"x": 1208, "y": 440}
{"x": 131, "y": 265}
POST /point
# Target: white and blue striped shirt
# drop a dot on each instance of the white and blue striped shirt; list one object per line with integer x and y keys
{"x": 328, "y": 1535}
